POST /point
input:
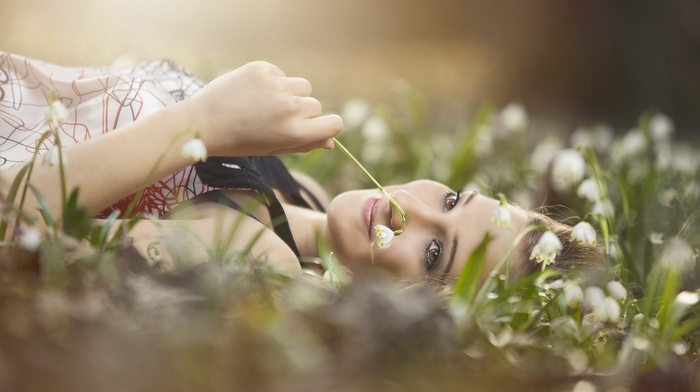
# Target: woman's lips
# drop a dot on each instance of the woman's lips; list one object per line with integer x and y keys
{"x": 368, "y": 214}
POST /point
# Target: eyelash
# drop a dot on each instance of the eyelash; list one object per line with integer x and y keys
{"x": 430, "y": 266}
{"x": 435, "y": 244}
{"x": 447, "y": 195}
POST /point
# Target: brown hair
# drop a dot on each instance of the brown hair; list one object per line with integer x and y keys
{"x": 583, "y": 257}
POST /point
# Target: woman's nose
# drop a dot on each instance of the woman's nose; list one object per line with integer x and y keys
{"x": 414, "y": 209}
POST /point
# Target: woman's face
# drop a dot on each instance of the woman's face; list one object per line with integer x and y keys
{"x": 443, "y": 227}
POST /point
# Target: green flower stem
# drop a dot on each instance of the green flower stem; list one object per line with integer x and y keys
{"x": 393, "y": 202}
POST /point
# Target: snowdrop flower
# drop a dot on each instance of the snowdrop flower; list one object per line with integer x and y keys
{"x": 376, "y": 130}
{"x": 514, "y": 117}
{"x": 633, "y": 143}
{"x": 483, "y": 142}
{"x": 602, "y": 136}
{"x": 592, "y": 296}
{"x": 196, "y": 149}
{"x": 687, "y": 298}
{"x": 677, "y": 255}
{"x": 685, "y": 160}
{"x": 30, "y": 239}
{"x": 617, "y": 290}
{"x": 500, "y": 216}
{"x": 57, "y": 113}
{"x": 604, "y": 207}
{"x": 607, "y": 310}
{"x": 384, "y": 236}
{"x": 355, "y": 112}
{"x": 660, "y": 128}
{"x": 544, "y": 152}
{"x": 583, "y": 233}
{"x": 691, "y": 190}
{"x": 547, "y": 248}
{"x": 330, "y": 276}
{"x": 589, "y": 190}
{"x": 54, "y": 157}
{"x": 568, "y": 168}
{"x": 581, "y": 137}
{"x": 573, "y": 295}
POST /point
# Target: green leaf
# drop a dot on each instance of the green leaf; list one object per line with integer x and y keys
{"x": 45, "y": 210}
{"x": 468, "y": 282}
{"x": 77, "y": 221}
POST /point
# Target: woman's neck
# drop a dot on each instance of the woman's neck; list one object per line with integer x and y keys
{"x": 306, "y": 225}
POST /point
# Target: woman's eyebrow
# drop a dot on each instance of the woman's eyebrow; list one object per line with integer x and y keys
{"x": 455, "y": 239}
{"x": 469, "y": 198}
{"x": 451, "y": 260}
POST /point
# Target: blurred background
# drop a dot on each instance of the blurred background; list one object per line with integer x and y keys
{"x": 570, "y": 62}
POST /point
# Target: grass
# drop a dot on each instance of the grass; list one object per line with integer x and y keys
{"x": 86, "y": 312}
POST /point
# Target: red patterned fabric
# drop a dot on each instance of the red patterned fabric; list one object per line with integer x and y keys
{"x": 99, "y": 100}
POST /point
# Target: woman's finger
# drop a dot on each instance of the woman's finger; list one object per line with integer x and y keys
{"x": 324, "y": 127}
{"x": 298, "y": 86}
{"x": 309, "y": 107}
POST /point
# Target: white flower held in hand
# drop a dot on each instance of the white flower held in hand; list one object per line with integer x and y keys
{"x": 196, "y": 149}
{"x": 500, "y": 216}
{"x": 584, "y": 233}
{"x": 54, "y": 157}
{"x": 547, "y": 248}
{"x": 384, "y": 236}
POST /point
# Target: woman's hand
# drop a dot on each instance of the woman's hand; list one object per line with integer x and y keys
{"x": 258, "y": 110}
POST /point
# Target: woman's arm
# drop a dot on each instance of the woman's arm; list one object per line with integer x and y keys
{"x": 253, "y": 110}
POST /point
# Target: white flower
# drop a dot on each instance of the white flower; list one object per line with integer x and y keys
{"x": 544, "y": 152}
{"x": 688, "y": 298}
{"x": 607, "y": 310}
{"x": 633, "y": 143}
{"x": 330, "y": 276}
{"x": 584, "y": 233}
{"x": 514, "y": 117}
{"x": 573, "y": 295}
{"x": 355, "y": 112}
{"x": 196, "y": 149}
{"x": 375, "y": 130}
{"x": 691, "y": 190}
{"x": 685, "y": 160}
{"x": 568, "y": 169}
{"x": 57, "y": 113}
{"x": 604, "y": 207}
{"x": 677, "y": 254}
{"x": 54, "y": 157}
{"x": 30, "y": 239}
{"x": 602, "y": 136}
{"x": 547, "y": 248}
{"x": 384, "y": 236}
{"x": 500, "y": 216}
{"x": 617, "y": 290}
{"x": 660, "y": 127}
{"x": 581, "y": 137}
{"x": 483, "y": 142}
{"x": 589, "y": 190}
{"x": 592, "y": 296}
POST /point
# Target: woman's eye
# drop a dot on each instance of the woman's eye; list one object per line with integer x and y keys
{"x": 432, "y": 254}
{"x": 451, "y": 199}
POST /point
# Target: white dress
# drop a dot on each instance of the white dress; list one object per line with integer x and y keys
{"x": 99, "y": 100}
